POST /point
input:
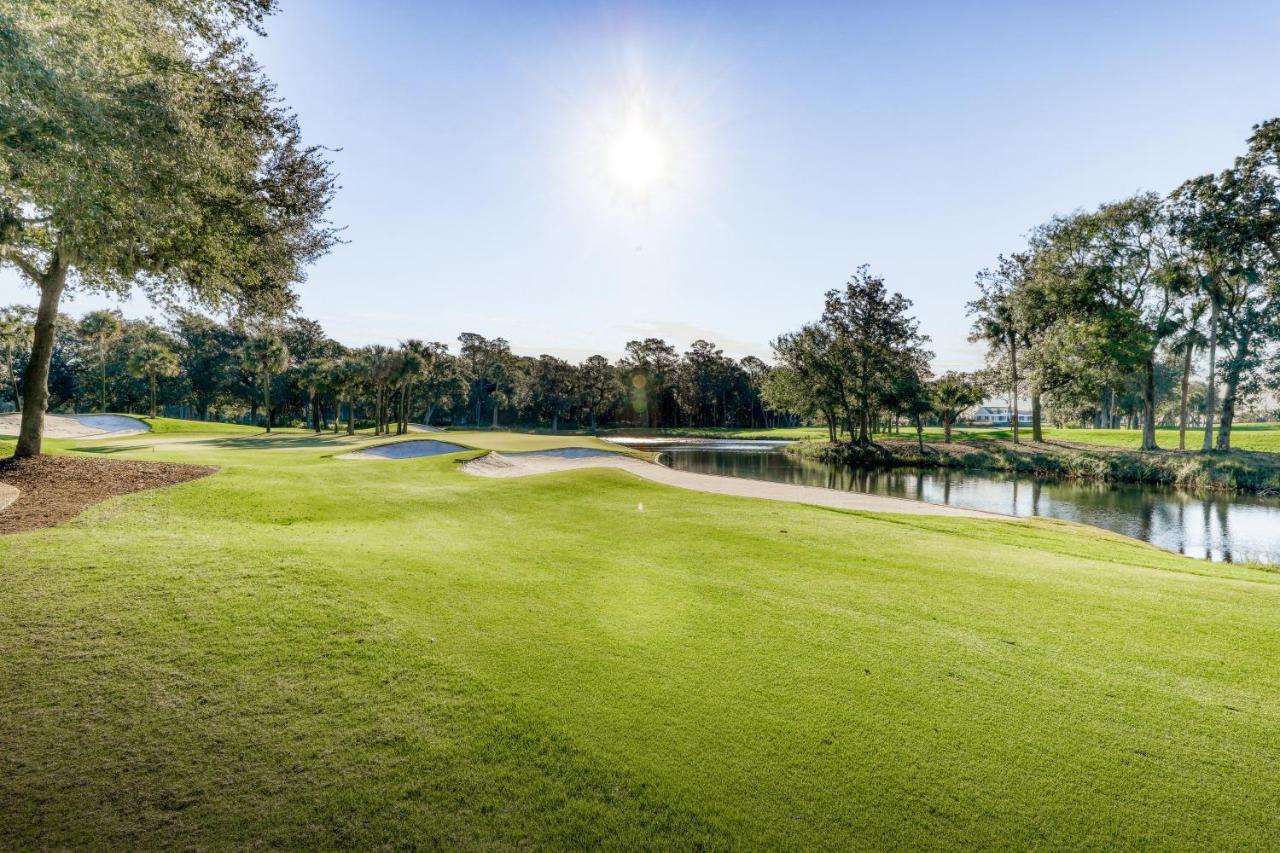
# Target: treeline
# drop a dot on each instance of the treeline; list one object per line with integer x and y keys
{"x": 289, "y": 372}
{"x": 1104, "y": 315}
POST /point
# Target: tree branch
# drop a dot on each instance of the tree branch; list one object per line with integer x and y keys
{"x": 33, "y": 272}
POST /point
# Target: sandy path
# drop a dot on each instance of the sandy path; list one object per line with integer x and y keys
{"x": 524, "y": 464}
{"x": 78, "y": 426}
{"x": 8, "y": 494}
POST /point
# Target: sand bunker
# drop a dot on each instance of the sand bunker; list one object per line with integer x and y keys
{"x": 424, "y": 428}
{"x": 404, "y": 450}
{"x": 565, "y": 453}
{"x": 78, "y": 426}
{"x": 570, "y": 459}
{"x": 8, "y": 494}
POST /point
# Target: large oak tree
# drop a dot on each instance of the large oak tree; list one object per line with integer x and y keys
{"x": 141, "y": 146}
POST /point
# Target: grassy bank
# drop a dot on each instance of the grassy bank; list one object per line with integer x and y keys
{"x": 1249, "y": 471}
{"x": 301, "y": 651}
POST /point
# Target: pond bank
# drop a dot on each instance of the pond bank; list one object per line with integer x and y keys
{"x": 1237, "y": 470}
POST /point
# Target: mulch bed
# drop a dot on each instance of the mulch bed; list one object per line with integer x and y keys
{"x": 56, "y": 488}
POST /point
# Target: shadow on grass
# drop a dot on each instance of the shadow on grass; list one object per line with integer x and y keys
{"x": 263, "y": 441}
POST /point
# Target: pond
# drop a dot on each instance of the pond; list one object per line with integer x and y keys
{"x": 1230, "y": 528}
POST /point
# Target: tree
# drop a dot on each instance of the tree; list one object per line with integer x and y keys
{"x": 150, "y": 361}
{"x": 265, "y": 356}
{"x": 313, "y": 375}
{"x": 440, "y": 382}
{"x": 15, "y": 337}
{"x": 484, "y": 365}
{"x": 102, "y": 327}
{"x": 379, "y": 366}
{"x": 952, "y": 394}
{"x": 1214, "y": 218}
{"x": 650, "y": 366}
{"x": 996, "y": 320}
{"x": 209, "y": 354}
{"x": 599, "y": 388}
{"x": 811, "y": 379}
{"x": 144, "y": 146}
{"x": 348, "y": 375}
{"x": 406, "y": 370}
{"x": 876, "y": 343}
{"x": 554, "y": 385}
{"x": 908, "y": 395}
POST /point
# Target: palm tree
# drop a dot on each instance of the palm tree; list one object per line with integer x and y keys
{"x": 313, "y": 375}
{"x": 102, "y": 327}
{"x": 152, "y": 360}
{"x": 409, "y": 367}
{"x": 953, "y": 393}
{"x": 15, "y": 336}
{"x": 379, "y": 366}
{"x": 266, "y": 356}
{"x": 346, "y": 376}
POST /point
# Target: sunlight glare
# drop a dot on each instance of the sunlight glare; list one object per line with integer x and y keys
{"x": 636, "y": 155}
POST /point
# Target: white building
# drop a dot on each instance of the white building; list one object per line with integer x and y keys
{"x": 999, "y": 416}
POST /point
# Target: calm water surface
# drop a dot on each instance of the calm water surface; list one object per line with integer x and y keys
{"x": 1233, "y": 528}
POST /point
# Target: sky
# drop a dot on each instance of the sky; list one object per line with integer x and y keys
{"x": 767, "y": 150}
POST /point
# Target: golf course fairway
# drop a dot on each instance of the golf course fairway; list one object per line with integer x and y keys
{"x": 300, "y": 651}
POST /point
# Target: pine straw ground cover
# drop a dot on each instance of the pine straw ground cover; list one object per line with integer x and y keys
{"x": 56, "y": 488}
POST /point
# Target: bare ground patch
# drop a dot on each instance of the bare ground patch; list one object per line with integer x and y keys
{"x": 53, "y": 489}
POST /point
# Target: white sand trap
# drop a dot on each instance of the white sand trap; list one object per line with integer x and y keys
{"x": 78, "y": 426}
{"x": 571, "y": 459}
{"x": 404, "y": 450}
{"x": 424, "y": 428}
{"x": 8, "y": 494}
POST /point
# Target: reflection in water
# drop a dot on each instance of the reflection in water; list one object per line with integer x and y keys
{"x": 1225, "y": 527}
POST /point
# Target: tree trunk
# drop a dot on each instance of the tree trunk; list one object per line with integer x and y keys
{"x": 431, "y": 409}
{"x": 153, "y": 396}
{"x": 1211, "y": 391}
{"x": 920, "y": 434}
{"x": 36, "y": 379}
{"x": 266, "y": 396}
{"x": 494, "y": 423}
{"x": 102, "y": 362}
{"x": 555, "y": 421}
{"x": 1182, "y": 406}
{"x": 1229, "y": 398}
{"x": 1037, "y": 432}
{"x": 947, "y": 419}
{"x": 1149, "y": 405}
{"x": 351, "y": 416}
{"x": 13, "y": 380}
{"x": 1013, "y": 378}
{"x": 315, "y": 415}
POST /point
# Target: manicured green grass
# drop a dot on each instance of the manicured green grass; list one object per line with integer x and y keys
{"x": 164, "y": 426}
{"x": 302, "y": 651}
{"x": 815, "y": 433}
{"x": 1265, "y": 437}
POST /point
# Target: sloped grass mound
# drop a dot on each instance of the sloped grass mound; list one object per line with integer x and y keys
{"x": 405, "y": 450}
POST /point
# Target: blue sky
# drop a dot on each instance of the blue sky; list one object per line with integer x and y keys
{"x": 798, "y": 141}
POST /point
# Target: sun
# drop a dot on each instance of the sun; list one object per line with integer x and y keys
{"x": 637, "y": 155}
